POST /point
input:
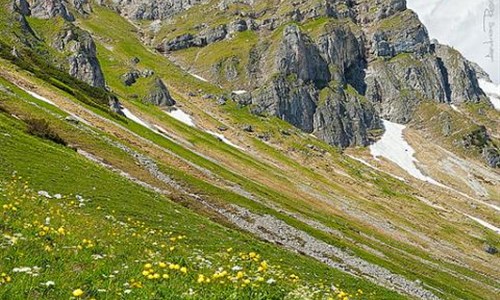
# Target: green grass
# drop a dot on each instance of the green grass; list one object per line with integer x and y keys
{"x": 127, "y": 226}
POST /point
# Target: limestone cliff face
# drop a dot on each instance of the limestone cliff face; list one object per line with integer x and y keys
{"x": 300, "y": 93}
{"x": 82, "y": 61}
{"x": 46, "y": 9}
{"x": 150, "y": 9}
{"x": 378, "y": 50}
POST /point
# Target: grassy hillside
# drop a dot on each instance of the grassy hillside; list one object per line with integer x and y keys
{"x": 111, "y": 235}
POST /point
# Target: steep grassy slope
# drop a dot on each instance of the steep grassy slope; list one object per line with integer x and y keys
{"x": 106, "y": 230}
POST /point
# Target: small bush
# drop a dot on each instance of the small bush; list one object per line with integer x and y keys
{"x": 41, "y": 128}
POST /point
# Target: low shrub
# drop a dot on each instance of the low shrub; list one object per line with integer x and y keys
{"x": 42, "y": 129}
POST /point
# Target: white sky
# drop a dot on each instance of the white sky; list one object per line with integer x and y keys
{"x": 459, "y": 23}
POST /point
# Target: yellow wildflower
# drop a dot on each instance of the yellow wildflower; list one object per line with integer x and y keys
{"x": 77, "y": 293}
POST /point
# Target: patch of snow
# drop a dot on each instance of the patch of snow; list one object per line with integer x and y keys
{"x": 155, "y": 128}
{"x": 394, "y": 147}
{"x": 364, "y": 162}
{"x": 492, "y": 90}
{"x": 198, "y": 77}
{"x": 224, "y": 139}
{"x": 240, "y": 92}
{"x": 484, "y": 223}
{"x": 134, "y": 118}
{"x": 35, "y": 95}
{"x": 455, "y": 108}
{"x": 41, "y": 98}
{"x": 181, "y": 116}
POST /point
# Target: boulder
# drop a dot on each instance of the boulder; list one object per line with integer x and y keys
{"x": 158, "y": 94}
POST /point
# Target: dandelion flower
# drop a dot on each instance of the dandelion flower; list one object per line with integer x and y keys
{"x": 77, "y": 293}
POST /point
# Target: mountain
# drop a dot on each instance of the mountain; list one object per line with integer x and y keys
{"x": 448, "y": 21}
{"x": 237, "y": 149}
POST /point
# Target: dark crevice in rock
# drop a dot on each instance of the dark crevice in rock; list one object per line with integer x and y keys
{"x": 445, "y": 75}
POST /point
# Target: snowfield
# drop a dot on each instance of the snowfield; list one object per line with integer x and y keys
{"x": 198, "y": 77}
{"x": 393, "y": 147}
{"x": 484, "y": 224}
{"x": 240, "y": 92}
{"x": 181, "y": 116}
{"x": 224, "y": 139}
{"x": 134, "y": 118}
{"x": 35, "y": 95}
{"x": 492, "y": 90}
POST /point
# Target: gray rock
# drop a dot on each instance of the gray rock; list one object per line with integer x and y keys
{"x": 14, "y": 52}
{"x": 401, "y": 33}
{"x": 480, "y": 73}
{"x": 147, "y": 73}
{"x": 151, "y": 9}
{"x": 491, "y": 155}
{"x": 243, "y": 99}
{"x": 82, "y": 6}
{"x": 462, "y": 81}
{"x": 83, "y": 63}
{"x": 46, "y": 9}
{"x": 135, "y": 60}
{"x": 181, "y": 42}
{"x": 22, "y": 7}
{"x": 221, "y": 100}
{"x": 204, "y": 38}
{"x": 345, "y": 118}
{"x": 212, "y": 35}
{"x": 490, "y": 249}
{"x": 130, "y": 77}
{"x": 342, "y": 49}
{"x": 159, "y": 94}
{"x": 238, "y": 26}
{"x": 115, "y": 106}
{"x": 72, "y": 119}
{"x": 299, "y": 56}
{"x": 398, "y": 85}
{"x": 288, "y": 99}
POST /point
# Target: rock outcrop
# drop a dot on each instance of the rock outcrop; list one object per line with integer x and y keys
{"x": 46, "y": 9}
{"x": 305, "y": 93}
{"x": 462, "y": 81}
{"x": 204, "y": 38}
{"x": 82, "y": 61}
{"x": 151, "y": 9}
{"x": 158, "y": 94}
